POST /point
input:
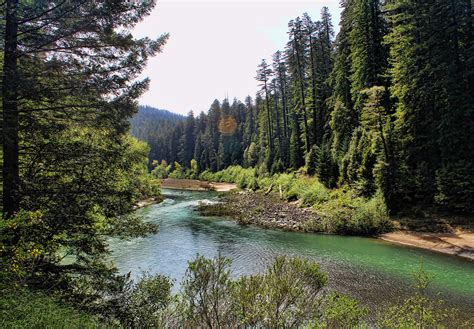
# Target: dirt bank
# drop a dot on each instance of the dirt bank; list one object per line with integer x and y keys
{"x": 196, "y": 185}
{"x": 457, "y": 243}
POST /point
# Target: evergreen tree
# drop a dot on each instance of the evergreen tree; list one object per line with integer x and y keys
{"x": 435, "y": 108}
{"x": 71, "y": 175}
{"x": 297, "y": 63}
{"x": 264, "y": 74}
{"x": 187, "y": 140}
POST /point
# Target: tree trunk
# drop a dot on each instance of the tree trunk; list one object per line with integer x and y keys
{"x": 269, "y": 123}
{"x": 313, "y": 90}
{"x": 10, "y": 170}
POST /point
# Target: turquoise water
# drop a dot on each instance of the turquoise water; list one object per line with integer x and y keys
{"x": 371, "y": 270}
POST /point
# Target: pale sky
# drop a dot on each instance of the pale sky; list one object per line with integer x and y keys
{"x": 215, "y": 47}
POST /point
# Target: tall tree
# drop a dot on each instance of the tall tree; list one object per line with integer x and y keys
{"x": 75, "y": 45}
{"x": 187, "y": 140}
{"x": 10, "y": 128}
{"x": 297, "y": 63}
{"x": 344, "y": 118}
{"x": 264, "y": 74}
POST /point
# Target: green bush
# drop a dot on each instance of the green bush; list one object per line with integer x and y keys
{"x": 288, "y": 294}
{"x": 342, "y": 312}
{"x": 285, "y": 295}
{"x": 346, "y": 213}
{"x": 178, "y": 172}
{"x": 315, "y": 193}
{"x": 144, "y": 301}
{"x": 284, "y": 182}
{"x": 419, "y": 311}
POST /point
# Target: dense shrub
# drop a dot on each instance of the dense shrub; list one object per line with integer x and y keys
{"x": 178, "y": 172}
{"x": 287, "y": 294}
{"x": 418, "y": 311}
{"x": 346, "y": 213}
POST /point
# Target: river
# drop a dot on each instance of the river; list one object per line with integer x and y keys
{"x": 374, "y": 271}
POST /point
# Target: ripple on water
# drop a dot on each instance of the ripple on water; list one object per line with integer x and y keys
{"x": 373, "y": 271}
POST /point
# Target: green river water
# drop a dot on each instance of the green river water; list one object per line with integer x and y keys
{"x": 374, "y": 271}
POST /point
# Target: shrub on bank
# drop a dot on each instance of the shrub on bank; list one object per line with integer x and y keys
{"x": 346, "y": 213}
{"x": 340, "y": 210}
{"x": 290, "y": 293}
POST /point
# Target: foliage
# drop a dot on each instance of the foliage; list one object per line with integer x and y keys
{"x": 161, "y": 171}
{"x": 346, "y": 213}
{"x": 340, "y": 210}
{"x": 206, "y": 288}
{"x": 143, "y": 302}
{"x": 193, "y": 171}
{"x": 289, "y": 293}
{"x": 153, "y": 126}
{"x": 419, "y": 311}
{"x": 178, "y": 172}
{"x": 341, "y": 311}
{"x": 285, "y": 295}
{"x": 21, "y": 308}
{"x": 71, "y": 173}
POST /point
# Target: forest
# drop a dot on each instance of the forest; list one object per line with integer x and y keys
{"x": 378, "y": 119}
{"x": 385, "y": 106}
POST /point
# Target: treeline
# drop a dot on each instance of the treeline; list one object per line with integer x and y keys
{"x": 387, "y": 105}
{"x": 154, "y": 126}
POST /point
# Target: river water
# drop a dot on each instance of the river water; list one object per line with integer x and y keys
{"x": 374, "y": 271}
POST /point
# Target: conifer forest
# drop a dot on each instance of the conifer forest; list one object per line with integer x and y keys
{"x": 346, "y": 177}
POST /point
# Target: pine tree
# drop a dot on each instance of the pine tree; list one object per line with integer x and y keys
{"x": 297, "y": 63}
{"x": 187, "y": 141}
{"x": 368, "y": 53}
{"x": 264, "y": 74}
{"x": 344, "y": 118}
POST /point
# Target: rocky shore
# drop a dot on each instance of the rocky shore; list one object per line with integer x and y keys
{"x": 267, "y": 211}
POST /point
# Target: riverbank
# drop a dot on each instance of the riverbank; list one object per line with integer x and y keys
{"x": 268, "y": 210}
{"x": 147, "y": 202}
{"x": 456, "y": 243}
{"x": 196, "y": 185}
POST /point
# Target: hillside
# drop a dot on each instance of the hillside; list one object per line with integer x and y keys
{"x": 153, "y": 126}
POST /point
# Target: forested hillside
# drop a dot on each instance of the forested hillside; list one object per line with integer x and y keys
{"x": 386, "y": 105}
{"x": 153, "y": 126}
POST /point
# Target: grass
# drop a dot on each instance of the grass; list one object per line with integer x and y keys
{"x": 22, "y": 308}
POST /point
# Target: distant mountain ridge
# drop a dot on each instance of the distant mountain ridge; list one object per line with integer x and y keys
{"x": 152, "y": 125}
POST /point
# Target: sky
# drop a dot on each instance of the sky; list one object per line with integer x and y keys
{"x": 215, "y": 47}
